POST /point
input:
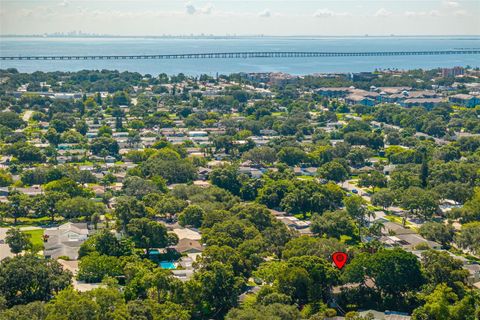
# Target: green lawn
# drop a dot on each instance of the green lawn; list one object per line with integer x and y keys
{"x": 310, "y": 178}
{"x": 28, "y": 222}
{"x": 36, "y": 236}
{"x": 300, "y": 216}
{"x": 461, "y": 253}
{"x": 348, "y": 239}
{"x": 460, "y": 108}
{"x": 85, "y": 163}
{"x": 399, "y": 220}
{"x": 109, "y": 216}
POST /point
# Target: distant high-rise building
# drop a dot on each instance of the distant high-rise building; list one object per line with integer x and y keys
{"x": 453, "y": 72}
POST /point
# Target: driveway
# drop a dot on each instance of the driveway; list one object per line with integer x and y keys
{"x": 27, "y": 115}
{"x": 4, "y": 248}
{"x": 349, "y": 186}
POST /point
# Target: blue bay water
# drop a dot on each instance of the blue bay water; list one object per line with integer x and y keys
{"x": 299, "y": 66}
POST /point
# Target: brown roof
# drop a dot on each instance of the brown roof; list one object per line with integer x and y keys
{"x": 355, "y": 97}
{"x": 186, "y": 245}
{"x": 462, "y": 96}
{"x": 335, "y": 89}
{"x": 425, "y": 100}
{"x": 393, "y": 89}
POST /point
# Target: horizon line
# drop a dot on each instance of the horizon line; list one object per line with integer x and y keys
{"x": 92, "y": 35}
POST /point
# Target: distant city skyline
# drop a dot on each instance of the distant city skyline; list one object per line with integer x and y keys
{"x": 80, "y": 34}
{"x": 235, "y": 17}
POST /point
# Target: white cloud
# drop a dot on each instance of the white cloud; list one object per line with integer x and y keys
{"x": 382, "y": 13}
{"x": 327, "y": 13}
{"x": 177, "y": 18}
{"x": 26, "y": 13}
{"x": 64, "y": 3}
{"x": 323, "y": 13}
{"x": 207, "y": 9}
{"x": 190, "y": 8}
{"x": 432, "y": 13}
{"x": 412, "y": 13}
{"x": 451, "y": 4}
{"x": 265, "y": 14}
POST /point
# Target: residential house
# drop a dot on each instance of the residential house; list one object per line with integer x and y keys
{"x": 197, "y": 134}
{"x": 392, "y": 90}
{"x": 466, "y": 100}
{"x": 268, "y": 132}
{"x": 389, "y": 168}
{"x": 203, "y": 173}
{"x": 297, "y": 171}
{"x": 147, "y": 142}
{"x": 188, "y": 246}
{"x": 411, "y": 241}
{"x": 459, "y": 135}
{"x": 202, "y": 183}
{"x": 68, "y": 146}
{"x": 359, "y": 99}
{"x": 65, "y": 240}
{"x": 31, "y": 191}
{"x": 110, "y": 159}
{"x": 310, "y": 171}
{"x": 63, "y": 159}
{"x": 423, "y": 102}
{"x": 447, "y": 205}
{"x": 186, "y": 262}
{"x": 394, "y": 228}
{"x": 303, "y": 227}
{"x": 182, "y": 274}
{"x": 216, "y": 163}
{"x": 334, "y": 92}
{"x": 397, "y": 235}
{"x": 474, "y": 273}
{"x": 189, "y": 240}
{"x": 251, "y": 172}
{"x": 260, "y": 141}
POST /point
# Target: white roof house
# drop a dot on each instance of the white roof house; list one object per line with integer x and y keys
{"x": 65, "y": 240}
{"x": 187, "y": 233}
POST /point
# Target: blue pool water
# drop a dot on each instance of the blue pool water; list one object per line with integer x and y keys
{"x": 26, "y": 46}
{"x": 167, "y": 265}
{"x": 154, "y": 252}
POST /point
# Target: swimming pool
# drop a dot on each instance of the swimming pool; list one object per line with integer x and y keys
{"x": 167, "y": 265}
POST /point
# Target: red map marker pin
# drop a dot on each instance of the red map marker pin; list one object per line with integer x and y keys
{"x": 339, "y": 258}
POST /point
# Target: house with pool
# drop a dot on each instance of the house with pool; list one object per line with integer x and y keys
{"x": 181, "y": 257}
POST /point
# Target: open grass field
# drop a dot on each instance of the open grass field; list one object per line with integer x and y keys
{"x": 29, "y": 222}
{"x": 36, "y": 236}
{"x": 309, "y": 178}
{"x": 398, "y": 220}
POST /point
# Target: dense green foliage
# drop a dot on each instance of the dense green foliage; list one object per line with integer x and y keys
{"x": 274, "y": 177}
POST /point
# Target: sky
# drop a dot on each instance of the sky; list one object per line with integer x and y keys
{"x": 245, "y": 17}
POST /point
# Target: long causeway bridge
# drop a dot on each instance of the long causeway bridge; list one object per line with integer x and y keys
{"x": 245, "y": 55}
